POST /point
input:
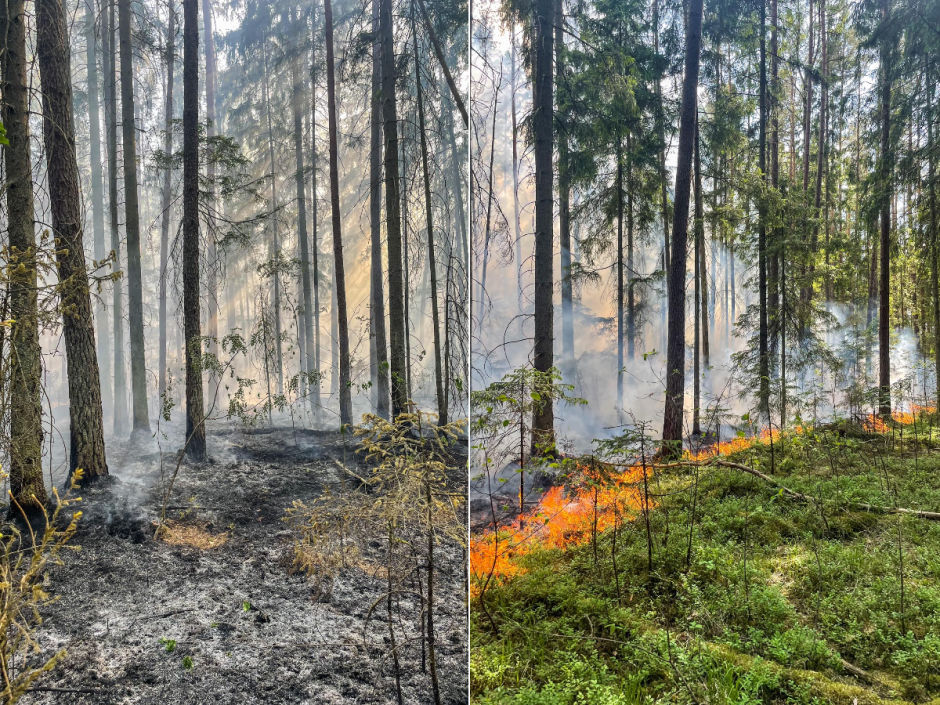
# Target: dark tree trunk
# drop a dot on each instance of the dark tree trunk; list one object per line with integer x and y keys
{"x": 103, "y": 337}
{"x": 393, "y": 218}
{"x": 675, "y": 354}
{"x": 620, "y": 277}
{"x": 27, "y": 490}
{"x": 661, "y": 133}
{"x": 167, "y": 190}
{"x": 698, "y": 310}
{"x": 564, "y": 207}
{"x": 339, "y": 275}
{"x": 275, "y": 246}
{"x": 212, "y": 257}
{"x": 432, "y": 265}
{"x": 117, "y": 294}
{"x": 762, "y": 346}
{"x": 377, "y": 288}
{"x": 543, "y": 432}
{"x": 132, "y": 228}
{"x": 884, "y": 312}
{"x": 455, "y": 94}
{"x": 315, "y": 224}
{"x": 517, "y": 237}
{"x": 195, "y": 417}
{"x": 86, "y": 428}
{"x": 934, "y": 237}
{"x": 297, "y": 102}
{"x": 774, "y": 249}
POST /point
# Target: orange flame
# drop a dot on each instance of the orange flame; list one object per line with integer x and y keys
{"x": 561, "y": 519}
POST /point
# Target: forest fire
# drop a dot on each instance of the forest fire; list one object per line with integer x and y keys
{"x": 569, "y": 517}
{"x": 563, "y": 517}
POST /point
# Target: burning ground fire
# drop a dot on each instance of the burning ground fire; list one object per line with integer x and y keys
{"x": 569, "y": 517}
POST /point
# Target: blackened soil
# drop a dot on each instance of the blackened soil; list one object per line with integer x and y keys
{"x": 252, "y": 631}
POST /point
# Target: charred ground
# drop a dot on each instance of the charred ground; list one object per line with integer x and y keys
{"x": 220, "y": 617}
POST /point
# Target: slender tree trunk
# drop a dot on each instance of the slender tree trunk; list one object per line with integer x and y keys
{"x": 620, "y": 278}
{"x": 491, "y": 175}
{"x": 212, "y": 256}
{"x": 135, "y": 298}
{"x": 275, "y": 249}
{"x": 377, "y": 287}
{"x": 393, "y": 218}
{"x": 697, "y": 307}
{"x": 117, "y": 293}
{"x": 543, "y": 432}
{"x": 564, "y": 205}
{"x": 517, "y": 236}
{"x": 631, "y": 276}
{"x": 429, "y": 214}
{"x": 934, "y": 237}
{"x": 315, "y": 228}
{"x": 774, "y": 249}
{"x": 86, "y": 428}
{"x": 822, "y": 149}
{"x": 675, "y": 356}
{"x": 28, "y": 493}
{"x": 103, "y": 337}
{"x": 438, "y": 51}
{"x": 884, "y": 313}
{"x": 297, "y": 103}
{"x": 764, "y": 357}
{"x": 195, "y": 421}
{"x": 167, "y": 189}
{"x": 661, "y": 133}
{"x": 339, "y": 275}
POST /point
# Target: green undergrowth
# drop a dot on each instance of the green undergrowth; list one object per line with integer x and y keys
{"x": 778, "y": 600}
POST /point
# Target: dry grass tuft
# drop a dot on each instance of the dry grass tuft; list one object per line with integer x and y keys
{"x": 192, "y": 534}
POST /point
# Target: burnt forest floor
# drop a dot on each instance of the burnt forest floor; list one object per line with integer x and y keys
{"x": 220, "y": 617}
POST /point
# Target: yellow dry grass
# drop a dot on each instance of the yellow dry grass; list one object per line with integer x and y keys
{"x": 192, "y": 534}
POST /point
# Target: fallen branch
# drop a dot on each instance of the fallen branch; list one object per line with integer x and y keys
{"x": 41, "y": 689}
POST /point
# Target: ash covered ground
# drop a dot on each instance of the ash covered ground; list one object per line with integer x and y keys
{"x": 253, "y": 632}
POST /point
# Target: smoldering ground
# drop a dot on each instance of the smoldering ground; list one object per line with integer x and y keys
{"x": 219, "y": 617}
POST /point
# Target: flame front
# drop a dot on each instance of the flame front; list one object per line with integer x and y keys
{"x": 571, "y": 517}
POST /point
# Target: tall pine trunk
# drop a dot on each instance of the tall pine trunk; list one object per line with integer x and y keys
{"x": 762, "y": 344}
{"x": 934, "y": 237}
{"x": 297, "y": 103}
{"x": 885, "y": 168}
{"x": 379, "y": 362}
{"x": 167, "y": 190}
{"x": 698, "y": 307}
{"x": 393, "y": 218}
{"x": 315, "y": 225}
{"x": 212, "y": 257}
{"x": 675, "y": 354}
{"x": 339, "y": 275}
{"x": 86, "y": 428}
{"x": 135, "y": 298}
{"x": 117, "y": 291}
{"x": 28, "y": 493}
{"x": 564, "y": 207}
{"x": 543, "y": 432}
{"x": 517, "y": 236}
{"x": 432, "y": 261}
{"x": 275, "y": 246}
{"x": 195, "y": 421}
{"x": 102, "y": 336}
